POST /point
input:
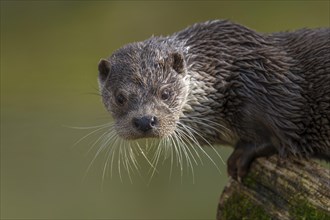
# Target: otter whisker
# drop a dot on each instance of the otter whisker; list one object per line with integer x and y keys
{"x": 114, "y": 147}
{"x": 155, "y": 160}
{"x": 170, "y": 148}
{"x": 178, "y": 154}
{"x": 186, "y": 141}
{"x": 181, "y": 145}
{"x": 89, "y": 127}
{"x": 107, "y": 133}
{"x": 133, "y": 158}
{"x": 101, "y": 148}
{"x": 207, "y": 120}
{"x": 145, "y": 157}
{"x": 108, "y": 153}
{"x": 216, "y": 129}
{"x": 167, "y": 149}
{"x": 148, "y": 146}
{"x": 127, "y": 164}
{"x": 100, "y": 127}
{"x": 191, "y": 132}
{"x": 131, "y": 161}
{"x": 185, "y": 148}
{"x": 119, "y": 163}
{"x": 206, "y": 141}
{"x": 156, "y": 155}
{"x": 190, "y": 139}
{"x": 131, "y": 153}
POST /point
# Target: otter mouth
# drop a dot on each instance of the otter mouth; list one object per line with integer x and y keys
{"x": 140, "y": 127}
{"x": 137, "y": 136}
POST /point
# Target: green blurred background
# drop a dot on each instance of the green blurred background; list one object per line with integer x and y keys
{"x": 49, "y": 56}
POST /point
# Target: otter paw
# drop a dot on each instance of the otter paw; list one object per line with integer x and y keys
{"x": 238, "y": 164}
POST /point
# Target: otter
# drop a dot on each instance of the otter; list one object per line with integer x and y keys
{"x": 226, "y": 84}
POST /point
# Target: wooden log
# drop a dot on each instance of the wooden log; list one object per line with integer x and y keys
{"x": 278, "y": 189}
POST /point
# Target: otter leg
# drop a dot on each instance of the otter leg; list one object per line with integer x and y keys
{"x": 322, "y": 156}
{"x": 244, "y": 153}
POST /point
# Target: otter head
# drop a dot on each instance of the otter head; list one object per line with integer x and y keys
{"x": 144, "y": 86}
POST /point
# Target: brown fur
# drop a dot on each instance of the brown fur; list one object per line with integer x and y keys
{"x": 260, "y": 93}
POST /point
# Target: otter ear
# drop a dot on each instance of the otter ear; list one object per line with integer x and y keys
{"x": 104, "y": 69}
{"x": 178, "y": 63}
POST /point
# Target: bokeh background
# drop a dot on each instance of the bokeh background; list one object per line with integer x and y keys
{"x": 49, "y": 56}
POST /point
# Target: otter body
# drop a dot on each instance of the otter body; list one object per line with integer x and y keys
{"x": 225, "y": 84}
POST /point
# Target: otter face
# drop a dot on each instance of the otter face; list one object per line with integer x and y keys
{"x": 144, "y": 88}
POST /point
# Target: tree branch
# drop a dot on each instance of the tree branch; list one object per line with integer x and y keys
{"x": 278, "y": 189}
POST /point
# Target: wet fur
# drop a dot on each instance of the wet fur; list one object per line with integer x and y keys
{"x": 267, "y": 93}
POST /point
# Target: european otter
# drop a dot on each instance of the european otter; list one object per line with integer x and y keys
{"x": 225, "y": 84}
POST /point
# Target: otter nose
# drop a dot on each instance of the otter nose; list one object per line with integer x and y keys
{"x": 145, "y": 123}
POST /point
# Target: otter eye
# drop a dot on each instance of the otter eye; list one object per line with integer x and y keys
{"x": 165, "y": 94}
{"x": 120, "y": 99}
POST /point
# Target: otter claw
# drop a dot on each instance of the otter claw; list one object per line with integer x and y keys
{"x": 239, "y": 162}
{"x": 238, "y": 171}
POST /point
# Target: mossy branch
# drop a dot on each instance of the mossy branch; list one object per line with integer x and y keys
{"x": 278, "y": 189}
